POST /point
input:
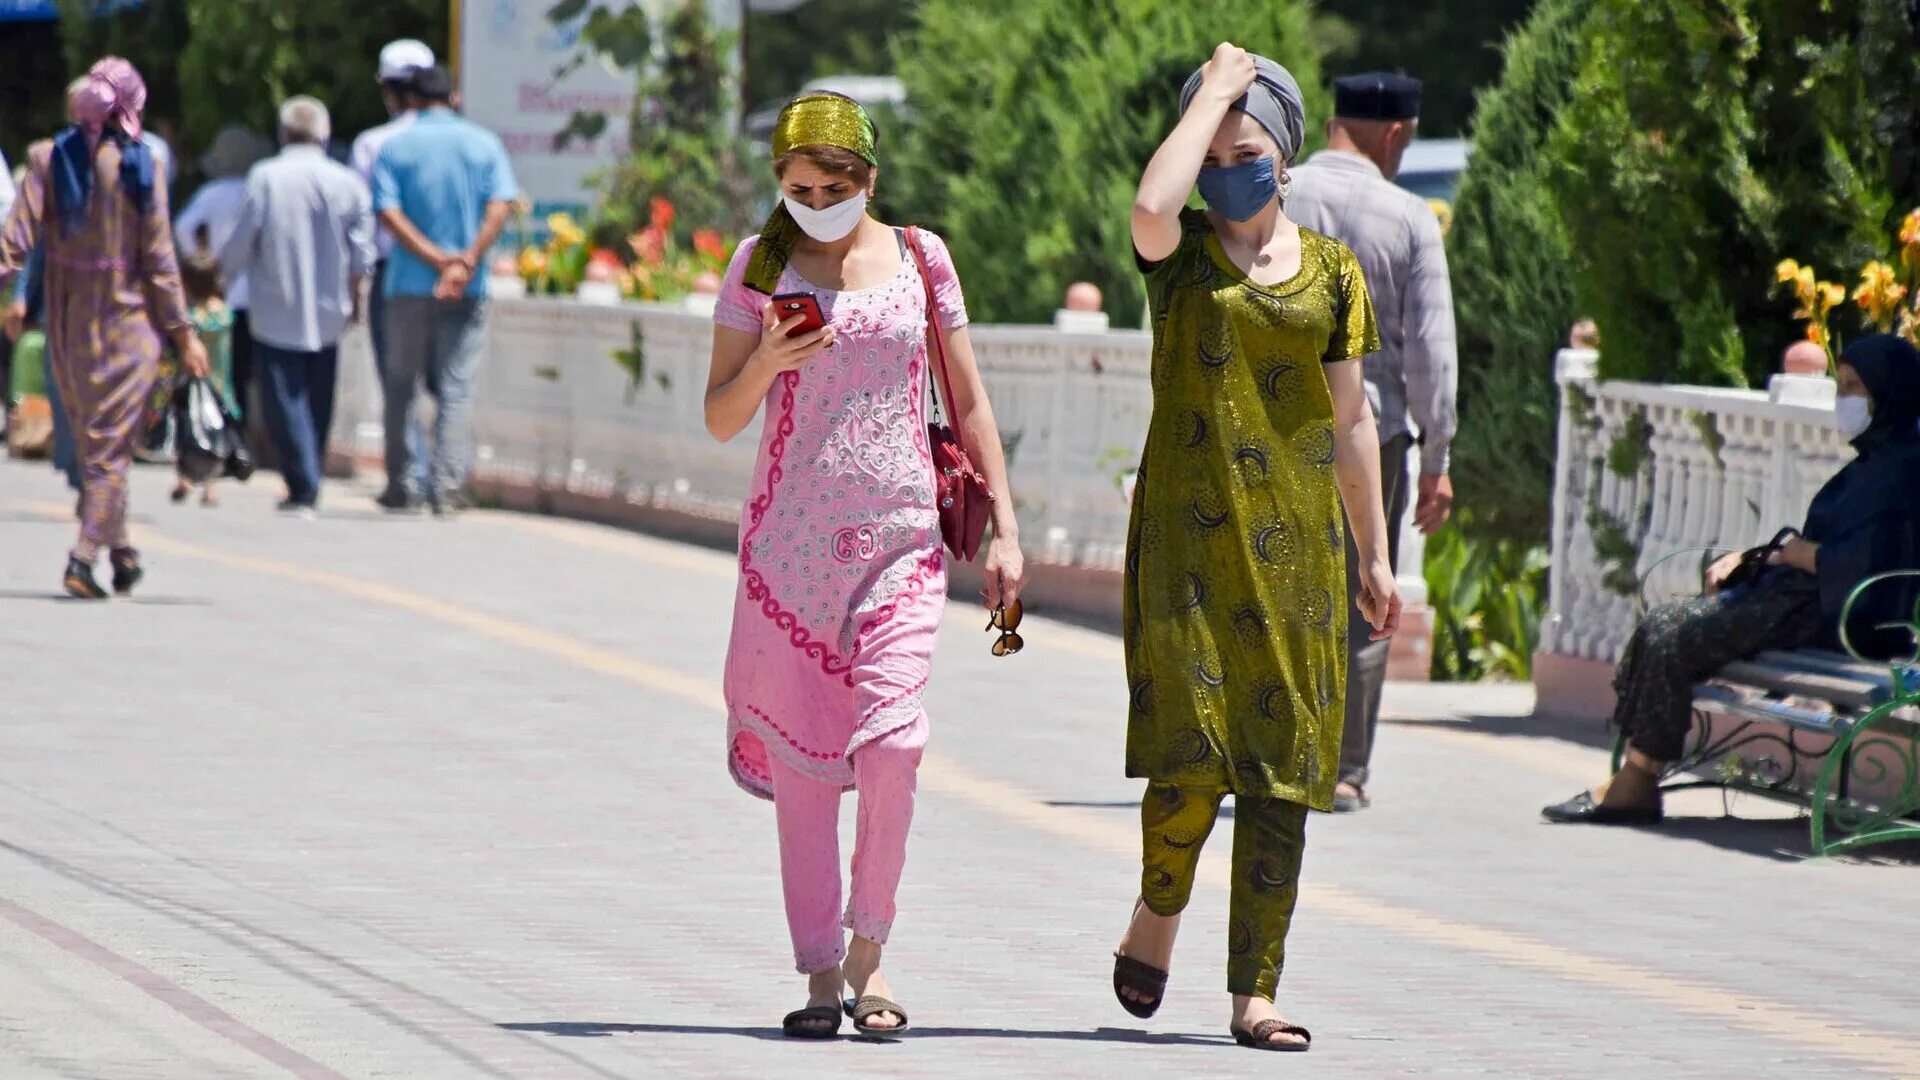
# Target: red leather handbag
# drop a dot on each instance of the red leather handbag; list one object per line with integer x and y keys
{"x": 961, "y": 493}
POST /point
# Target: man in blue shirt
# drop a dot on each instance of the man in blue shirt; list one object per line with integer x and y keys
{"x": 443, "y": 188}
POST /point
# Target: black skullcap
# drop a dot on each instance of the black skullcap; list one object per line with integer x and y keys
{"x": 1376, "y": 96}
{"x": 434, "y": 83}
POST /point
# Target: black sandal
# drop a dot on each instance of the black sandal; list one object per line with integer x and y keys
{"x": 1141, "y": 978}
{"x": 1261, "y": 1037}
{"x": 806, "y": 1023}
{"x": 870, "y": 1006}
{"x": 126, "y": 570}
{"x": 80, "y": 583}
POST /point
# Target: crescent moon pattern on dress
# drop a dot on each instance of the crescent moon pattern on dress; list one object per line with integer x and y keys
{"x": 1179, "y": 841}
{"x": 1252, "y": 774}
{"x": 1271, "y": 874}
{"x": 1215, "y": 349}
{"x": 1273, "y": 700}
{"x": 1191, "y": 594}
{"x": 1250, "y": 624}
{"x": 1335, "y": 539}
{"x": 1141, "y": 697}
{"x": 1275, "y": 382}
{"x": 1160, "y": 879}
{"x": 1274, "y": 544}
{"x": 1252, "y": 455}
{"x": 1239, "y": 938}
{"x": 1197, "y": 436}
{"x": 1318, "y": 446}
{"x": 1208, "y": 678}
{"x": 1206, "y": 516}
{"x": 1191, "y": 747}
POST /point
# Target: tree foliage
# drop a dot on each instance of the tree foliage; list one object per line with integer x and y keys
{"x": 1511, "y": 260}
{"x": 1029, "y": 124}
{"x": 1704, "y": 142}
{"x": 210, "y": 63}
{"x": 1453, "y": 46}
{"x": 821, "y": 37}
{"x": 685, "y": 147}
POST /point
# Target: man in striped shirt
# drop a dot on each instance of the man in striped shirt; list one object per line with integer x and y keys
{"x": 1346, "y": 191}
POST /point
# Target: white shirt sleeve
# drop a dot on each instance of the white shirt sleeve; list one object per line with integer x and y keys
{"x": 6, "y": 188}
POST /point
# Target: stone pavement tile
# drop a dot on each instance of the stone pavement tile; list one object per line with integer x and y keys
{"x": 407, "y": 847}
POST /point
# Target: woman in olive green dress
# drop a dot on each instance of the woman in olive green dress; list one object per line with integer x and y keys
{"x": 1235, "y": 590}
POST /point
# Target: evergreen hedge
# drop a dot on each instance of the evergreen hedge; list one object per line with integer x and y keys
{"x": 1030, "y": 124}
{"x": 1708, "y": 139}
{"x": 1511, "y": 260}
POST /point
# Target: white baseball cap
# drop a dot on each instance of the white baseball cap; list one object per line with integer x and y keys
{"x": 400, "y": 59}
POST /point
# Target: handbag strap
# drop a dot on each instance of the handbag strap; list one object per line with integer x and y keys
{"x": 937, "y": 350}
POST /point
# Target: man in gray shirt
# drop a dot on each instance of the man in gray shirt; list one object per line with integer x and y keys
{"x": 305, "y": 240}
{"x": 1347, "y": 192}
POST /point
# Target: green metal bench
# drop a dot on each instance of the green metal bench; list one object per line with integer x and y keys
{"x": 1758, "y": 720}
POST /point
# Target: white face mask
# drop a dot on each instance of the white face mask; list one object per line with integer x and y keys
{"x": 831, "y": 224}
{"x": 1853, "y": 415}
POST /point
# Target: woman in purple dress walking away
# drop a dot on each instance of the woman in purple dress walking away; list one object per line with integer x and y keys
{"x": 95, "y": 201}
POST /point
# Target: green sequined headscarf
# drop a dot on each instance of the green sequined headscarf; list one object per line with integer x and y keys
{"x": 818, "y": 119}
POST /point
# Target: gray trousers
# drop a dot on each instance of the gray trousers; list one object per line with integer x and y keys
{"x": 440, "y": 343}
{"x": 1367, "y": 660}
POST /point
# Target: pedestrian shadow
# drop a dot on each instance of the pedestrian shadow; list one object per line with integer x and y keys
{"x": 50, "y": 596}
{"x": 1593, "y": 734}
{"x": 588, "y": 1029}
{"x": 1226, "y": 808}
{"x": 1778, "y": 839}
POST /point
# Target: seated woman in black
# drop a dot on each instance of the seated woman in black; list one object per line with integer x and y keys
{"x": 1865, "y": 521}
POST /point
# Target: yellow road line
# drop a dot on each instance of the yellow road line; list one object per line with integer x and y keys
{"x": 1882, "y": 1052}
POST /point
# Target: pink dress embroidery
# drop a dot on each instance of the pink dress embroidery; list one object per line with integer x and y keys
{"x": 842, "y": 579}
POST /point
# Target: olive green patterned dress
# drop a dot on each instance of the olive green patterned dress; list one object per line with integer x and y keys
{"x": 1236, "y": 606}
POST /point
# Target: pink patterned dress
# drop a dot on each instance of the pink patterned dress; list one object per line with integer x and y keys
{"x": 842, "y": 580}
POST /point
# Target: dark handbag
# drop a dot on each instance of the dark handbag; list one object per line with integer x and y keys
{"x": 1754, "y": 561}
{"x": 961, "y": 493}
{"x": 207, "y": 440}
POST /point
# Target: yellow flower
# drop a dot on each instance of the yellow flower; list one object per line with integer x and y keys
{"x": 1833, "y": 294}
{"x": 565, "y": 232}
{"x": 1910, "y": 228}
{"x": 1879, "y": 294}
{"x": 533, "y": 262}
{"x": 1443, "y": 210}
{"x": 1787, "y": 271}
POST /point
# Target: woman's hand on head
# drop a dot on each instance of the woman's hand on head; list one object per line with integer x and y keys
{"x": 778, "y": 354}
{"x": 1230, "y": 73}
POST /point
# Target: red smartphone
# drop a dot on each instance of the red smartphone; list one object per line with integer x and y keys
{"x": 805, "y": 305}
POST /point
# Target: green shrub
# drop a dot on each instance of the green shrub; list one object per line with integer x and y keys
{"x": 1031, "y": 122}
{"x": 1704, "y": 142}
{"x": 1511, "y": 258}
{"x": 1487, "y": 596}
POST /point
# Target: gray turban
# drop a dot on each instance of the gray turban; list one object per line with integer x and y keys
{"x": 1273, "y": 102}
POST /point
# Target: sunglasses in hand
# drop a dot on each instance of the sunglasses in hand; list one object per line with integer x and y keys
{"x": 1006, "y": 619}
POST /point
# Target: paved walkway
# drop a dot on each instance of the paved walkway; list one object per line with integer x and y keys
{"x": 375, "y": 797}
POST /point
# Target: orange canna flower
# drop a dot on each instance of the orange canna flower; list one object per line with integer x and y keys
{"x": 649, "y": 245}
{"x": 1786, "y": 271}
{"x": 1910, "y": 228}
{"x": 708, "y": 242}
{"x": 660, "y": 214}
{"x": 1833, "y": 294}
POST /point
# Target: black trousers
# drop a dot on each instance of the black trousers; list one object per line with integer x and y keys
{"x": 1677, "y": 645}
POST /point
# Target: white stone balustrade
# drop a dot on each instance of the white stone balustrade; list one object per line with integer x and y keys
{"x": 553, "y": 408}
{"x": 1722, "y": 469}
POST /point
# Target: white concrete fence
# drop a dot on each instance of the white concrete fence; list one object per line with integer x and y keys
{"x": 556, "y": 410}
{"x": 1645, "y": 471}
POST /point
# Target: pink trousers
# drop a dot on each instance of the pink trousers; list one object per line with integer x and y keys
{"x": 809, "y": 820}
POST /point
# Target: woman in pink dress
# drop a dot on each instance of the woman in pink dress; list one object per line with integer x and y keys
{"x": 842, "y": 576}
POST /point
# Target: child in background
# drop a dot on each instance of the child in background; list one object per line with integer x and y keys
{"x": 200, "y": 274}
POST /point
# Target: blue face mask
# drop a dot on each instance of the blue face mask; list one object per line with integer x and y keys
{"x": 1238, "y": 192}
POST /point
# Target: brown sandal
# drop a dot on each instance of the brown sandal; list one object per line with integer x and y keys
{"x": 805, "y": 1023}
{"x": 1142, "y": 978}
{"x": 1261, "y": 1037}
{"x": 870, "y": 1006}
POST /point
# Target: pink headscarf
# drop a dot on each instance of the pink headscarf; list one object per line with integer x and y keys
{"x": 114, "y": 92}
